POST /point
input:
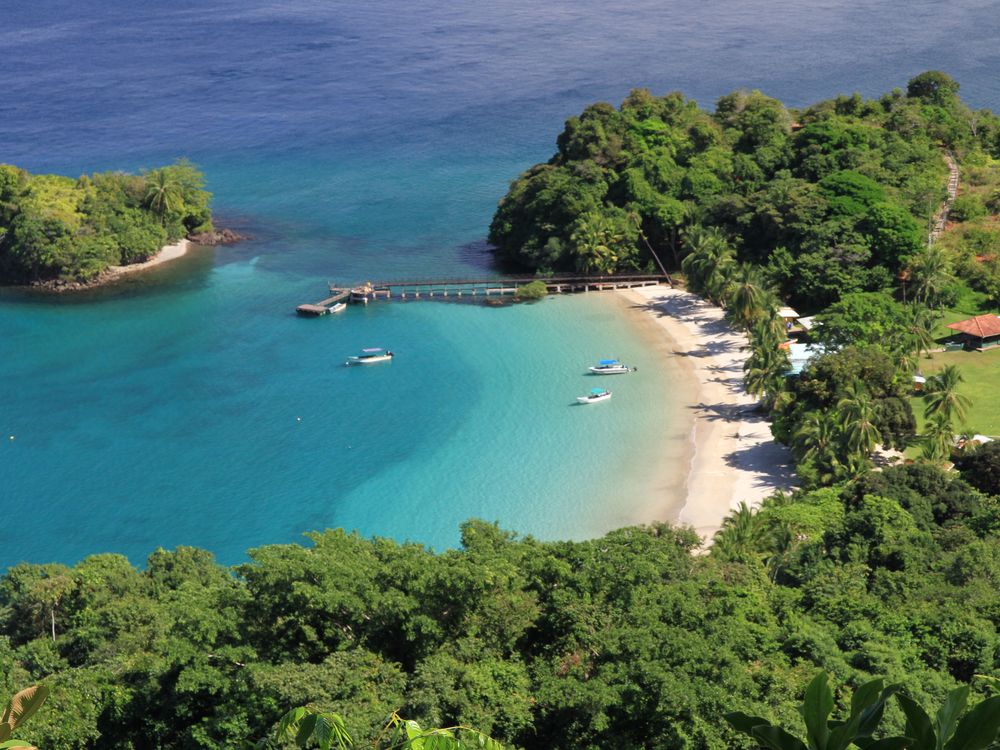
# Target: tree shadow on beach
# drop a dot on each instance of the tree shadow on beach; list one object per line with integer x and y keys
{"x": 734, "y": 384}
{"x": 769, "y": 462}
{"x": 716, "y": 412}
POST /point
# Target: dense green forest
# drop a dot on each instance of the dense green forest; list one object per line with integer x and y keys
{"x": 627, "y": 641}
{"x": 54, "y": 227}
{"x": 827, "y": 200}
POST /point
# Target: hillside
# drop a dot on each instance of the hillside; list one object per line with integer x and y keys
{"x": 833, "y": 198}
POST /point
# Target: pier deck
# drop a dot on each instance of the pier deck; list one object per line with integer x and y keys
{"x": 323, "y": 306}
{"x": 413, "y": 289}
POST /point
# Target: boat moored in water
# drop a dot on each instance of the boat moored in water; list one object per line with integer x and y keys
{"x": 596, "y": 395}
{"x": 370, "y": 357}
{"x": 610, "y": 367}
{"x": 339, "y": 307}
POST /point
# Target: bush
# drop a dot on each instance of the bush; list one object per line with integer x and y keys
{"x": 532, "y": 290}
{"x": 993, "y": 202}
{"x": 967, "y": 208}
{"x": 982, "y": 468}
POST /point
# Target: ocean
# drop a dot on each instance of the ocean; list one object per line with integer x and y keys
{"x": 355, "y": 141}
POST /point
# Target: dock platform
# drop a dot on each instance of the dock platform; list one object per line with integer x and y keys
{"x": 323, "y": 306}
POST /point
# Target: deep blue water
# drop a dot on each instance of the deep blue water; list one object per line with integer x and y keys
{"x": 357, "y": 141}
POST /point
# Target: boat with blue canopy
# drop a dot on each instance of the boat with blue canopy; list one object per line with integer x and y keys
{"x": 610, "y": 367}
{"x": 596, "y": 395}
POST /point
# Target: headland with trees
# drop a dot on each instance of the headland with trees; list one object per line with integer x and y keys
{"x": 831, "y": 209}
{"x": 57, "y": 231}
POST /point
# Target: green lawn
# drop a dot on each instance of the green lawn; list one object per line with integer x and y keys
{"x": 981, "y": 373}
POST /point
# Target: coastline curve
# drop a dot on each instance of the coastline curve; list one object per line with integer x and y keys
{"x": 734, "y": 459}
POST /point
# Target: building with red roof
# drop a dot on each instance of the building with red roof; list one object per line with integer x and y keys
{"x": 980, "y": 332}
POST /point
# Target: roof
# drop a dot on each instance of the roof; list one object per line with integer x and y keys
{"x": 981, "y": 326}
{"x": 807, "y": 323}
{"x": 787, "y": 312}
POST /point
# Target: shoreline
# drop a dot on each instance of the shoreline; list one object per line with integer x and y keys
{"x": 111, "y": 274}
{"x": 733, "y": 456}
{"x": 166, "y": 254}
{"x": 664, "y": 481}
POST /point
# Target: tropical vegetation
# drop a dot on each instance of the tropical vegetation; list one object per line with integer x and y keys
{"x": 58, "y": 228}
{"x": 629, "y": 640}
{"x": 828, "y": 208}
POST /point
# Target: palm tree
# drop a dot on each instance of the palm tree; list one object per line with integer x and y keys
{"x": 966, "y": 444}
{"x": 858, "y": 420}
{"x": 748, "y": 297}
{"x": 707, "y": 248}
{"x": 931, "y": 273}
{"x": 938, "y": 438}
{"x": 719, "y": 278}
{"x": 907, "y": 364}
{"x": 767, "y": 364}
{"x": 599, "y": 243}
{"x": 816, "y": 441}
{"x": 637, "y": 220}
{"x": 942, "y": 396}
{"x": 781, "y": 541}
{"x": 855, "y": 396}
{"x": 697, "y": 239}
{"x": 739, "y": 535}
{"x": 162, "y": 193}
{"x": 761, "y": 378}
{"x": 919, "y": 325}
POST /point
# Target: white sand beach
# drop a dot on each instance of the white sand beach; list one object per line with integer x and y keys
{"x": 167, "y": 253}
{"x": 735, "y": 458}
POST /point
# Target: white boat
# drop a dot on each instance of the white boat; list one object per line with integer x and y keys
{"x": 595, "y": 395}
{"x": 339, "y": 307}
{"x": 610, "y": 367}
{"x": 370, "y": 357}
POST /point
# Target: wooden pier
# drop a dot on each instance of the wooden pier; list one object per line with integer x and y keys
{"x": 414, "y": 289}
{"x": 323, "y": 306}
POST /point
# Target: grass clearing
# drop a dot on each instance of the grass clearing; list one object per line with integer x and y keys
{"x": 981, "y": 383}
{"x": 969, "y": 304}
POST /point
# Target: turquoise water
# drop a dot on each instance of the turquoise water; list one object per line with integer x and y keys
{"x": 199, "y": 411}
{"x": 363, "y": 141}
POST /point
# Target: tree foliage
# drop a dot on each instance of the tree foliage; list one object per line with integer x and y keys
{"x": 953, "y": 727}
{"x": 832, "y": 199}
{"x": 53, "y": 227}
{"x": 628, "y": 640}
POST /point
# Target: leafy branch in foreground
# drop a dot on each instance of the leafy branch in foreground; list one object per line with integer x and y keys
{"x": 952, "y": 728}
{"x": 867, "y": 706}
{"x": 18, "y": 710}
{"x": 307, "y": 727}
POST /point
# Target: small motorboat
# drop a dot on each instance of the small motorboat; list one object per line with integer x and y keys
{"x": 370, "y": 357}
{"x": 339, "y": 307}
{"x": 610, "y": 367}
{"x": 595, "y": 395}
